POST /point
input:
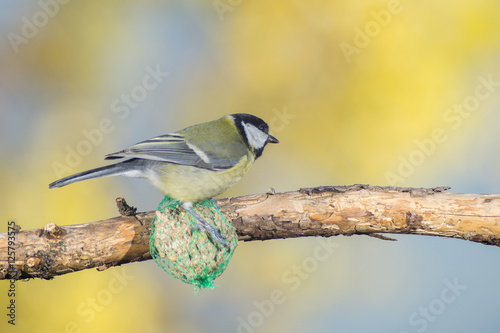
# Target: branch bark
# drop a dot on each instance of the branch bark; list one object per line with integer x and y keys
{"x": 321, "y": 211}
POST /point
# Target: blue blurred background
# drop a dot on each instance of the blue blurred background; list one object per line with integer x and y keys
{"x": 385, "y": 93}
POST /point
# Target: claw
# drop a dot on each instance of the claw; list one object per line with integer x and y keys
{"x": 203, "y": 225}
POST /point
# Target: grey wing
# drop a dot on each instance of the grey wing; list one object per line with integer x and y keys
{"x": 172, "y": 148}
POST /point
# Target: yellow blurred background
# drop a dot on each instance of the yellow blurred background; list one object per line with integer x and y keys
{"x": 392, "y": 92}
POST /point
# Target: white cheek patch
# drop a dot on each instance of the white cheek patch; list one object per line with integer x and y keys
{"x": 255, "y": 136}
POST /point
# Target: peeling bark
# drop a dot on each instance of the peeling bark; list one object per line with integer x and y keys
{"x": 321, "y": 211}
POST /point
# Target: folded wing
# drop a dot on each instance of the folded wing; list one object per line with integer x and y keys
{"x": 173, "y": 148}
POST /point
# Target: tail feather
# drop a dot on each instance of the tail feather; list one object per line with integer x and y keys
{"x": 122, "y": 168}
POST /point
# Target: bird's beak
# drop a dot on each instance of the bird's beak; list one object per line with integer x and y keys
{"x": 272, "y": 139}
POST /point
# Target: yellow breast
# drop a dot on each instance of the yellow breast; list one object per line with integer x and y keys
{"x": 188, "y": 183}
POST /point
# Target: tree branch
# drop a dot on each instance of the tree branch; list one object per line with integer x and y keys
{"x": 321, "y": 211}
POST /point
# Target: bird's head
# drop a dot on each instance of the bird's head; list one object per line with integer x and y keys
{"x": 254, "y": 131}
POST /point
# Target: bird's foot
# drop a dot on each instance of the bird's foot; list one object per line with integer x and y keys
{"x": 205, "y": 226}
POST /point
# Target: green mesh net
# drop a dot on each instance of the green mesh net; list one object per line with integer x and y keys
{"x": 188, "y": 254}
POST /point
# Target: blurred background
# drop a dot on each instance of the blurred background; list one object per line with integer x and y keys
{"x": 379, "y": 92}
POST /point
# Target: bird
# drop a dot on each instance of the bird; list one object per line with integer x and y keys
{"x": 193, "y": 164}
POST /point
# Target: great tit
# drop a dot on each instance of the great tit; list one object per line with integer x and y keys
{"x": 191, "y": 165}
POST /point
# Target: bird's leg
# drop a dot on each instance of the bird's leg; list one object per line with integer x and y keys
{"x": 215, "y": 203}
{"x": 204, "y": 225}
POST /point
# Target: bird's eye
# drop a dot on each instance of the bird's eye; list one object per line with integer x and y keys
{"x": 262, "y": 127}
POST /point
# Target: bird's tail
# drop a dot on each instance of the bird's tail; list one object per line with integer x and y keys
{"x": 130, "y": 168}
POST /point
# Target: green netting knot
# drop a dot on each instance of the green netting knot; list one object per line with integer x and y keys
{"x": 187, "y": 254}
